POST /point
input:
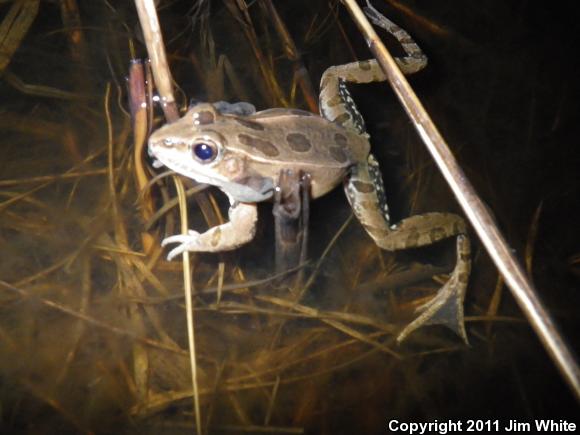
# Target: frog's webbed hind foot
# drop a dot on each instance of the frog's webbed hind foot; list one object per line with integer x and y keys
{"x": 446, "y": 308}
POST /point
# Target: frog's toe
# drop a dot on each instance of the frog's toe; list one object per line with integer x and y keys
{"x": 184, "y": 247}
{"x": 175, "y": 252}
{"x": 189, "y": 238}
{"x": 187, "y": 242}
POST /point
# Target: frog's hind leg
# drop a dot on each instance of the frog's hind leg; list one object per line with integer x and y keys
{"x": 415, "y": 60}
{"x": 364, "y": 190}
{"x": 336, "y": 104}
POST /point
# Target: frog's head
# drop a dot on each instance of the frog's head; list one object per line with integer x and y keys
{"x": 194, "y": 147}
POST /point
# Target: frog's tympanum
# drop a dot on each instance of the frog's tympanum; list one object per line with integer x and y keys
{"x": 243, "y": 156}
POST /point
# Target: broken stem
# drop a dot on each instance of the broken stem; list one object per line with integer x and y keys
{"x": 156, "y": 49}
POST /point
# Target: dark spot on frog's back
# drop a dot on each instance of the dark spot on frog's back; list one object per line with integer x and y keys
{"x": 298, "y": 142}
{"x": 261, "y": 145}
{"x": 338, "y": 154}
{"x": 250, "y": 124}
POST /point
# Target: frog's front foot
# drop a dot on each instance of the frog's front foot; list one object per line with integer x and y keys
{"x": 239, "y": 230}
{"x": 446, "y": 308}
{"x": 187, "y": 242}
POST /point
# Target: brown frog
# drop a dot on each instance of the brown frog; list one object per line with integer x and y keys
{"x": 243, "y": 156}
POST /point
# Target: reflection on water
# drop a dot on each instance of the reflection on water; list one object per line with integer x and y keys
{"x": 92, "y": 329}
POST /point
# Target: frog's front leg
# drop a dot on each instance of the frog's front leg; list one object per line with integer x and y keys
{"x": 239, "y": 230}
{"x": 365, "y": 193}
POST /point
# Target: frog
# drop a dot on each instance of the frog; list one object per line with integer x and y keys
{"x": 243, "y": 154}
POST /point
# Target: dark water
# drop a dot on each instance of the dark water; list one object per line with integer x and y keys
{"x": 501, "y": 84}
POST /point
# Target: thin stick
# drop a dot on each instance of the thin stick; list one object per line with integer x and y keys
{"x": 494, "y": 242}
{"x": 189, "y": 305}
{"x": 156, "y": 49}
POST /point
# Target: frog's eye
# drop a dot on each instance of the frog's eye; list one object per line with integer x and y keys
{"x": 204, "y": 152}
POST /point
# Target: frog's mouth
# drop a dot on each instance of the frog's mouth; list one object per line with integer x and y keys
{"x": 155, "y": 162}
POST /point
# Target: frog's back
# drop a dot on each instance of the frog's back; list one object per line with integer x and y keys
{"x": 292, "y": 139}
{"x": 310, "y": 139}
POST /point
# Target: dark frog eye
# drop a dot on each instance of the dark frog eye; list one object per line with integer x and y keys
{"x": 204, "y": 152}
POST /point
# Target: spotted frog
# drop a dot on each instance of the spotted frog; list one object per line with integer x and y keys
{"x": 244, "y": 155}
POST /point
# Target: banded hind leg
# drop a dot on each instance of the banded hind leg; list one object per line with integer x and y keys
{"x": 364, "y": 190}
{"x": 336, "y": 104}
